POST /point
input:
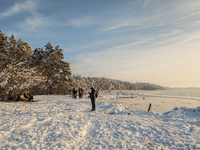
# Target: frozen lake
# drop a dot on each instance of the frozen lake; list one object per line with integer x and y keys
{"x": 162, "y": 100}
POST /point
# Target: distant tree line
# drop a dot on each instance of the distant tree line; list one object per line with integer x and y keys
{"x": 111, "y": 84}
{"x": 148, "y": 86}
{"x": 39, "y": 71}
{"x": 87, "y": 82}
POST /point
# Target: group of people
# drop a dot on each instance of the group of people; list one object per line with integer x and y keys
{"x": 92, "y": 96}
{"x": 80, "y": 93}
{"x": 74, "y": 92}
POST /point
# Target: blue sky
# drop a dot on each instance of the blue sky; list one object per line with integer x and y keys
{"x": 153, "y": 41}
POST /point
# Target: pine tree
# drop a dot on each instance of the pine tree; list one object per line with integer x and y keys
{"x": 56, "y": 71}
{"x": 35, "y": 61}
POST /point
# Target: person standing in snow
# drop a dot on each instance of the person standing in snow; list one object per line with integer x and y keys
{"x": 74, "y": 92}
{"x": 79, "y": 92}
{"x": 82, "y": 92}
{"x": 92, "y": 97}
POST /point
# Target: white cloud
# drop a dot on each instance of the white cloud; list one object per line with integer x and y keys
{"x": 79, "y": 22}
{"x": 17, "y": 8}
{"x": 146, "y": 3}
{"x": 36, "y": 21}
{"x": 116, "y": 26}
{"x": 30, "y": 23}
{"x": 190, "y": 15}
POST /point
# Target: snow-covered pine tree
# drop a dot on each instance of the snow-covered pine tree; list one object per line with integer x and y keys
{"x": 37, "y": 59}
{"x": 55, "y": 70}
{"x": 61, "y": 80}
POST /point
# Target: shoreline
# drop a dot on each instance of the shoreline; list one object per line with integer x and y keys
{"x": 158, "y": 104}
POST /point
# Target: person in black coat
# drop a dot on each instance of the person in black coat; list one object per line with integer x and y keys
{"x": 92, "y": 97}
{"x": 74, "y": 92}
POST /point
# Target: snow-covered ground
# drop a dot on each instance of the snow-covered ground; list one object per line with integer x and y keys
{"x": 60, "y": 122}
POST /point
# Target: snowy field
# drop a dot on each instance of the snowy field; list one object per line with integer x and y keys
{"x": 60, "y": 122}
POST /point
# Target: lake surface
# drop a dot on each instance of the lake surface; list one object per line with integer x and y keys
{"x": 161, "y": 100}
{"x": 181, "y": 94}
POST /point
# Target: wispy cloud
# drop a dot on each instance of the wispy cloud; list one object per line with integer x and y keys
{"x": 116, "y": 26}
{"x": 34, "y": 22}
{"x": 145, "y": 4}
{"x": 188, "y": 16}
{"x": 17, "y": 8}
{"x": 151, "y": 14}
{"x": 79, "y": 22}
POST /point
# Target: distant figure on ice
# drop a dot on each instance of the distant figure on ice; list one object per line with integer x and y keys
{"x": 74, "y": 92}
{"x": 28, "y": 96}
{"x": 80, "y": 92}
{"x": 92, "y": 97}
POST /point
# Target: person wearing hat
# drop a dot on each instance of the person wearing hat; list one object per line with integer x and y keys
{"x": 92, "y": 97}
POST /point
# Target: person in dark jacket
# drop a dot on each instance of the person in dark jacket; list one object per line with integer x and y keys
{"x": 74, "y": 91}
{"x": 92, "y": 97}
{"x": 80, "y": 92}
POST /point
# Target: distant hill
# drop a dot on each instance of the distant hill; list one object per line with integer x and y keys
{"x": 112, "y": 84}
